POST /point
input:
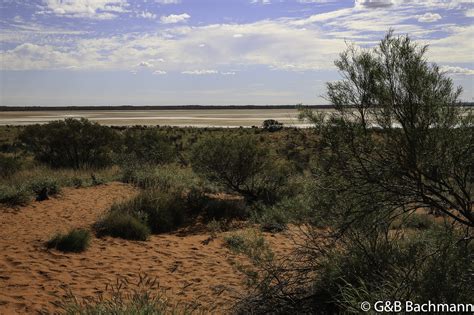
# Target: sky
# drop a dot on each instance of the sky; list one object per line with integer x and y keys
{"x": 215, "y": 52}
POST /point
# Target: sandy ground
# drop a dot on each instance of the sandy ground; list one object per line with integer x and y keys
{"x": 31, "y": 277}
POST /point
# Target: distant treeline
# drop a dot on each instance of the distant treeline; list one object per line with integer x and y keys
{"x": 169, "y": 107}
{"x": 164, "y": 107}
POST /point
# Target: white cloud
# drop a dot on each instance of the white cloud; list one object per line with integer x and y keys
{"x": 145, "y": 64}
{"x": 457, "y": 46}
{"x": 261, "y": 1}
{"x": 168, "y": 1}
{"x": 147, "y": 15}
{"x": 159, "y": 72}
{"x": 174, "y": 18}
{"x": 429, "y": 17}
{"x": 469, "y": 13}
{"x": 277, "y": 44}
{"x": 94, "y": 9}
{"x": 457, "y": 70}
{"x": 237, "y": 35}
{"x": 200, "y": 72}
{"x": 228, "y": 73}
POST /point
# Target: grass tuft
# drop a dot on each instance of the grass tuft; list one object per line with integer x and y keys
{"x": 76, "y": 241}
{"x": 122, "y": 225}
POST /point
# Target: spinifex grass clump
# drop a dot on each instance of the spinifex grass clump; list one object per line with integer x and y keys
{"x": 14, "y": 196}
{"x": 76, "y": 240}
{"x": 43, "y": 188}
{"x": 141, "y": 297}
{"x": 149, "y": 212}
{"x": 124, "y": 225}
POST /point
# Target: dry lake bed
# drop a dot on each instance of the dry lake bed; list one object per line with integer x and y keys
{"x": 174, "y": 117}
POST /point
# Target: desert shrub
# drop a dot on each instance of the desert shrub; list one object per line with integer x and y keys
{"x": 251, "y": 243}
{"x": 14, "y": 196}
{"x": 164, "y": 211}
{"x": 96, "y": 180}
{"x": 431, "y": 265}
{"x": 272, "y": 125}
{"x": 9, "y": 165}
{"x": 148, "y": 146}
{"x": 272, "y": 219}
{"x": 44, "y": 187}
{"x": 140, "y": 297}
{"x": 123, "y": 225}
{"x": 241, "y": 165}
{"x": 236, "y": 243}
{"x": 77, "y": 182}
{"x": 77, "y": 240}
{"x": 70, "y": 143}
{"x": 218, "y": 209}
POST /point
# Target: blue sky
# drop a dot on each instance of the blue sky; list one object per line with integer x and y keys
{"x": 160, "y": 52}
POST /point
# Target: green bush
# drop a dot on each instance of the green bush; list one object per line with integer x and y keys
{"x": 241, "y": 165}
{"x": 164, "y": 211}
{"x": 77, "y": 240}
{"x": 9, "y": 165}
{"x": 272, "y": 219}
{"x": 70, "y": 143}
{"x": 123, "y": 225}
{"x": 77, "y": 182}
{"x": 14, "y": 196}
{"x": 147, "y": 146}
{"x": 44, "y": 187}
{"x": 218, "y": 209}
{"x": 235, "y": 242}
{"x": 431, "y": 266}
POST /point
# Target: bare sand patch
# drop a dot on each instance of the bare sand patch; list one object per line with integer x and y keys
{"x": 31, "y": 277}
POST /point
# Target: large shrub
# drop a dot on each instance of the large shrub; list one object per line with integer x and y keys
{"x": 147, "y": 146}
{"x": 240, "y": 164}
{"x": 70, "y": 143}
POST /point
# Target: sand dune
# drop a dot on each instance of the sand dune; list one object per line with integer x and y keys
{"x": 31, "y": 277}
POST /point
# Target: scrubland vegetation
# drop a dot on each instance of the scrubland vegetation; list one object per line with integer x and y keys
{"x": 379, "y": 192}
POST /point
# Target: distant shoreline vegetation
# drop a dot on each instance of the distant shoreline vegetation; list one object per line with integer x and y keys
{"x": 158, "y": 107}
{"x": 169, "y": 107}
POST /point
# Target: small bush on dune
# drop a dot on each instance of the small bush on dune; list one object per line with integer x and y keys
{"x": 236, "y": 243}
{"x": 77, "y": 182}
{"x": 14, "y": 196}
{"x": 77, "y": 240}
{"x": 123, "y": 225}
{"x": 44, "y": 187}
{"x": 218, "y": 209}
{"x": 272, "y": 219}
{"x": 164, "y": 210}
